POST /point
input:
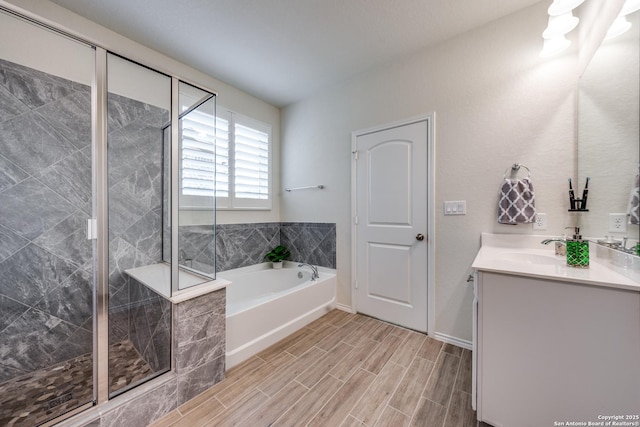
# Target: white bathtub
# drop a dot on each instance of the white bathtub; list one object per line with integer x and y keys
{"x": 266, "y": 305}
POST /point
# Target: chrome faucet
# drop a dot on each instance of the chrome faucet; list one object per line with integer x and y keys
{"x": 314, "y": 270}
{"x": 561, "y": 245}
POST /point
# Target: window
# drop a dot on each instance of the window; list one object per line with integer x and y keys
{"x": 241, "y": 153}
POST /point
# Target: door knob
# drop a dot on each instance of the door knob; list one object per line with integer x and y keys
{"x": 420, "y": 237}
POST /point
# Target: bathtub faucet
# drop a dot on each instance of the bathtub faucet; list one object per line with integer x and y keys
{"x": 314, "y": 269}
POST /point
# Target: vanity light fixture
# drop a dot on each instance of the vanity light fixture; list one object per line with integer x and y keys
{"x": 621, "y": 25}
{"x": 561, "y": 21}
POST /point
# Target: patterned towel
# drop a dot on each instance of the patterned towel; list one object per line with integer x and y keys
{"x": 634, "y": 202}
{"x": 517, "y": 203}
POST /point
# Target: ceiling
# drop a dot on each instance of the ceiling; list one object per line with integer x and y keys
{"x": 284, "y": 50}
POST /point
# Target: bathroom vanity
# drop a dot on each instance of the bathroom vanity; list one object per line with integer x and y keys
{"x": 553, "y": 344}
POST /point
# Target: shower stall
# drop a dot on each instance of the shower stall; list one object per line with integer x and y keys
{"x": 95, "y": 157}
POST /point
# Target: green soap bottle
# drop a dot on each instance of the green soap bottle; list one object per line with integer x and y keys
{"x": 577, "y": 251}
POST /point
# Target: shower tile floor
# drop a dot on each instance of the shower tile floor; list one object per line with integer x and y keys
{"x": 42, "y": 395}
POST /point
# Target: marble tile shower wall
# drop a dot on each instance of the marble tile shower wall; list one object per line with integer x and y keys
{"x": 135, "y": 156}
{"x": 242, "y": 245}
{"x": 45, "y": 198}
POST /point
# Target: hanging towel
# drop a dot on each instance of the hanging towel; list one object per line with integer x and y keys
{"x": 517, "y": 202}
{"x": 634, "y": 202}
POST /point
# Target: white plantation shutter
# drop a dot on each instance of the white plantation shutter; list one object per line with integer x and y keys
{"x": 236, "y": 155}
{"x": 251, "y": 163}
{"x": 198, "y": 154}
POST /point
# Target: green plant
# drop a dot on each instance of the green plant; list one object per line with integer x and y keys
{"x": 277, "y": 254}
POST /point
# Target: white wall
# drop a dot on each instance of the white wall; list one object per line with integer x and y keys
{"x": 496, "y": 103}
{"x": 228, "y": 96}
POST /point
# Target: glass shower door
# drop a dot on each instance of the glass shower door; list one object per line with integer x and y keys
{"x": 138, "y": 109}
{"x": 46, "y": 196}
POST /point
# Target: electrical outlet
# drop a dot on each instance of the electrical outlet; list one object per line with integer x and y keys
{"x": 617, "y": 223}
{"x": 541, "y": 222}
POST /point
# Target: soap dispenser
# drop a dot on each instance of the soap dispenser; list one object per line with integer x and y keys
{"x": 577, "y": 250}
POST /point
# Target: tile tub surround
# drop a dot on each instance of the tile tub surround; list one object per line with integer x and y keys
{"x": 310, "y": 242}
{"x": 242, "y": 245}
{"x": 45, "y": 198}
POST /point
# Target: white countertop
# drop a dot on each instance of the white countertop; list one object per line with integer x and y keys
{"x": 524, "y": 255}
{"x": 158, "y": 278}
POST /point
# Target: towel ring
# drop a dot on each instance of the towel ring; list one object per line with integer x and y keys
{"x": 516, "y": 167}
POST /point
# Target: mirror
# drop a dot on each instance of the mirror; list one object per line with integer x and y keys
{"x": 608, "y": 137}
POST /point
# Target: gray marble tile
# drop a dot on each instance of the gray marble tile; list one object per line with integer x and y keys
{"x": 80, "y": 342}
{"x": 118, "y": 325}
{"x": 10, "y": 106}
{"x": 30, "y": 274}
{"x": 10, "y": 174}
{"x": 207, "y": 327}
{"x": 139, "y": 329}
{"x": 30, "y": 208}
{"x": 194, "y": 382}
{"x": 213, "y": 302}
{"x": 10, "y": 243}
{"x": 71, "y": 301}
{"x": 30, "y": 342}
{"x": 68, "y": 240}
{"x": 30, "y": 142}
{"x": 143, "y": 410}
{"x": 32, "y": 87}
{"x": 123, "y": 256}
{"x": 7, "y": 373}
{"x": 145, "y": 236}
{"x": 70, "y": 117}
{"x": 132, "y": 198}
{"x": 10, "y": 310}
{"x": 313, "y": 243}
{"x": 197, "y": 353}
{"x": 71, "y": 179}
{"x": 122, "y": 111}
{"x": 123, "y": 156}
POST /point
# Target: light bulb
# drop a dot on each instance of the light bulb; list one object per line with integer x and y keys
{"x": 560, "y": 7}
{"x": 554, "y": 46}
{"x": 629, "y": 7}
{"x": 619, "y": 26}
{"x": 560, "y": 25}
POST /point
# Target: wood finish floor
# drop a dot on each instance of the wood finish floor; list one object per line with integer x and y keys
{"x": 341, "y": 370}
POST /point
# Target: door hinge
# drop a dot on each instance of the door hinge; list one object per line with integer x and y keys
{"x": 356, "y": 220}
{"x": 92, "y": 229}
{"x": 355, "y": 154}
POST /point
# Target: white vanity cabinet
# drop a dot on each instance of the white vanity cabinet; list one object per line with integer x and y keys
{"x": 549, "y": 351}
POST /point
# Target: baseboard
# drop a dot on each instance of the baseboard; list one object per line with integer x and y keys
{"x": 343, "y": 307}
{"x": 453, "y": 340}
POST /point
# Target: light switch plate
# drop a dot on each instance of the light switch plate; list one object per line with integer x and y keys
{"x": 455, "y": 207}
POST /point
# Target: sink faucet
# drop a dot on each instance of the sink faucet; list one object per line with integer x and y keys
{"x": 314, "y": 270}
{"x": 561, "y": 245}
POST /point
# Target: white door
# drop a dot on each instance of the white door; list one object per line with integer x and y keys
{"x": 391, "y": 224}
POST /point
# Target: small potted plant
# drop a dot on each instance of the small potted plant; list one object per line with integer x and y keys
{"x": 277, "y": 255}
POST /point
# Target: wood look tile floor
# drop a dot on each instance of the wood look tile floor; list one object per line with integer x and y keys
{"x": 341, "y": 370}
